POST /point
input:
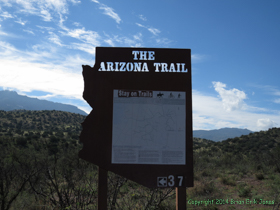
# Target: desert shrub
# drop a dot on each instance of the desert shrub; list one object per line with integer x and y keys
{"x": 259, "y": 176}
{"x": 207, "y": 187}
{"x": 206, "y": 173}
{"x": 244, "y": 191}
{"x": 242, "y": 167}
{"x": 228, "y": 180}
{"x": 240, "y": 174}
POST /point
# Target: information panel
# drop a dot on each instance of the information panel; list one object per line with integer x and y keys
{"x": 149, "y": 127}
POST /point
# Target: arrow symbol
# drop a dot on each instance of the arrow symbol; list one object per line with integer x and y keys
{"x": 162, "y": 181}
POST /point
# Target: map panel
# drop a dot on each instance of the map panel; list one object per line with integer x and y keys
{"x": 149, "y": 127}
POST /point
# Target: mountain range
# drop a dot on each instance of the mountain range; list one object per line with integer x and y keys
{"x": 11, "y": 100}
{"x": 221, "y": 134}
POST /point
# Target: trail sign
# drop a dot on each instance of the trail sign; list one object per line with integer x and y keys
{"x": 141, "y": 123}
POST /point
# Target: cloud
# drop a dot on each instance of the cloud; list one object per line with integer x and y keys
{"x": 108, "y": 11}
{"x": 86, "y": 36}
{"x": 163, "y": 41}
{"x": 21, "y": 22}
{"x": 43, "y": 28}
{"x": 27, "y": 77}
{"x": 28, "y": 31}
{"x": 24, "y": 72}
{"x": 46, "y": 15}
{"x": 198, "y": 58}
{"x": 232, "y": 99}
{"x": 88, "y": 39}
{"x": 149, "y": 28}
{"x": 142, "y": 17}
{"x": 271, "y": 90}
{"x": 6, "y": 3}
{"x": 208, "y": 113}
{"x": 55, "y": 39}
{"x": 265, "y": 124}
{"x": 43, "y": 69}
{"x": 75, "y": 1}
{"x": 6, "y": 15}
{"x": 43, "y": 8}
{"x": 2, "y": 33}
{"x": 77, "y": 24}
{"x": 7, "y": 49}
{"x": 153, "y": 30}
{"x": 134, "y": 41}
{"x": 83, "y": 47}
{"x": 138, "y": 37}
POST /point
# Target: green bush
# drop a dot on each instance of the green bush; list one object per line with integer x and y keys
{"x": 259, "y": 176}
{"x": 206, "y": 173}
{"x": 206, "y": 188}
{"x": 228, "y": 180}
{"x": 244, "y": 191}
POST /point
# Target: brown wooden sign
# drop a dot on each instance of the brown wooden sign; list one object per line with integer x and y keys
{"x": 141, "y": 123}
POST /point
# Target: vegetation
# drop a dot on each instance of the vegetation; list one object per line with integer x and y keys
{"x": 40, "y": 169}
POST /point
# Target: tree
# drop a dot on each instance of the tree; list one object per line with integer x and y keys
{"x": 16, "y": 169}
{"x": 66, "y": 181}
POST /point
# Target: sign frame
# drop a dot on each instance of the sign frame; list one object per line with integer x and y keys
{"x": 99, "y": 83}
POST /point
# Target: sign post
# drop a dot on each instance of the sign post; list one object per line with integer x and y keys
{"x": 141, "y": 123}
{"x": 181, "y": 195}
{"x": 102, "y": 189}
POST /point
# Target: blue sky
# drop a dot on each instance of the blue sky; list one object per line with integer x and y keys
{"x": 235, "y": 50}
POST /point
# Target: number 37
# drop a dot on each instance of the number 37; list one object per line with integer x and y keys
{"x": 171, "y": 180}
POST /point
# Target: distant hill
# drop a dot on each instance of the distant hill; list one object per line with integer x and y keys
{"x": 11, "y": 100}
{"x": 220, "y": 134}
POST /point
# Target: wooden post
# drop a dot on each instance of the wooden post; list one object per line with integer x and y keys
{"x": 181, "y": 202}
{"x": 102, "y": 189}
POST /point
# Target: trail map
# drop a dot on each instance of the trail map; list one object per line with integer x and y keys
{"x": 149, "y": 127}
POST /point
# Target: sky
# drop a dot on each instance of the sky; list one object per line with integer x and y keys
{"x": 234, "y": 45}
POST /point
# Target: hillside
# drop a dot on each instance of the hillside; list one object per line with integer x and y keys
{"x": 220, "y": 134}
{"x": 10, "y": 100}
{"x": 40, "y": 167}
{"x": 254, "y": 143}
{"x": 22, "y": 121}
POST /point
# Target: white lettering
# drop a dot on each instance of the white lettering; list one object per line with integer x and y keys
{"x": 183, "y": 68}
{"x": 178, "y": 67}
{"x": 145, "y": 67}
{"x": 151, "y": 55}
{"x": 135, "y": 53}
{"x": 122, "y": 66}
{"x": 129, "y": 66}
{"x": 142, "y": 66}
{"x": 164, "y": 67}
{"x": 102, "y": 67}
{"x": 117, "y": 66}
{"x": 110, "y": 66}
{"x": 137, "y": 66}
{"x": 156, "y": 65}
{"x": 172, "y": 68}
{"x": 143, "y": 55}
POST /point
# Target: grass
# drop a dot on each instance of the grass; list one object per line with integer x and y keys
{"x": 231, "y": 191}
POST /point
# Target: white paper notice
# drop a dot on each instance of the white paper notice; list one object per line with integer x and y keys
{"x": 149, "y": 127}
